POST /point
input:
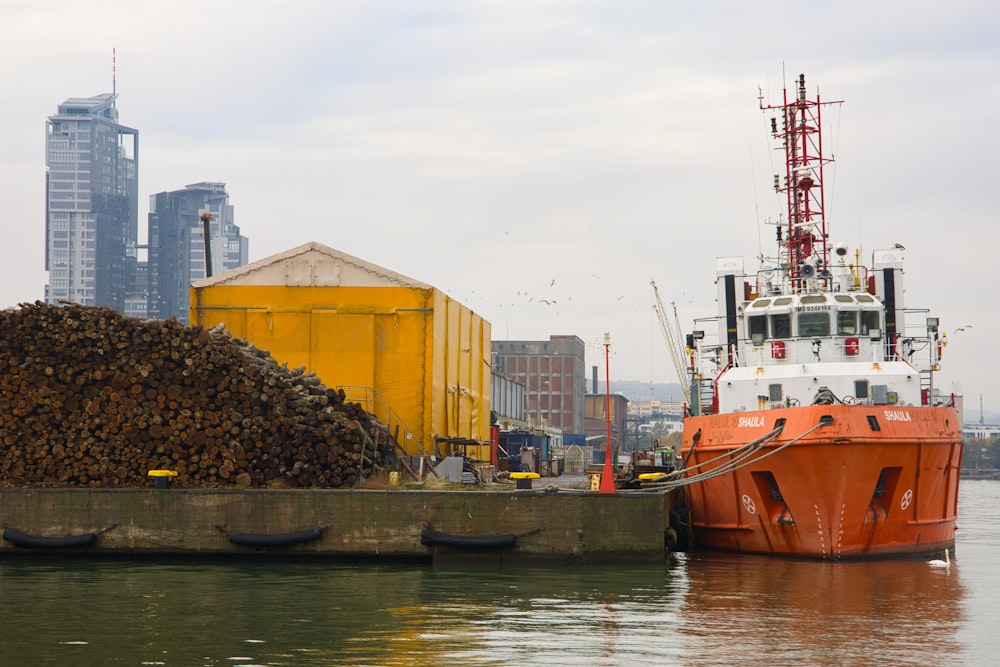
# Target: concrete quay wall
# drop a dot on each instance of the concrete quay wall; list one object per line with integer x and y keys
{"x": 569, "y": 527}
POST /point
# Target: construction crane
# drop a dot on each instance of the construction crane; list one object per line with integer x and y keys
{"x": 672, "y": 336}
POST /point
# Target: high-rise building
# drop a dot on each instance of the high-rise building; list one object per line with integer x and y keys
{"x": 553, "y": 376}
{"x": 177, "y": 244}
{"x": 137, "y": 298}
{"x": 91, "y": 203}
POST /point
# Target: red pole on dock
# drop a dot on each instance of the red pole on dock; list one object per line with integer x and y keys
{"x": 608, "y": 475}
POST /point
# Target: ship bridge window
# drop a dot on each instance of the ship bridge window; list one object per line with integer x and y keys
{"x": 843, "y": 298}
{"x": 760, "y": 303}
{"x": 814, "y": 324}
{"x": 869, "y": 321}
{"x": 783, "y": 301}
{"x": 865, "y": 298}
{"x": 847, "y": 323}
{"x": 757, "y": 326}
{"x": 781, "y": 325}
{"x": 817, "y": 298}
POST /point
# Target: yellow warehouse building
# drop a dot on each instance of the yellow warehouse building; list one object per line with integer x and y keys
{"x": 408, "y": 353}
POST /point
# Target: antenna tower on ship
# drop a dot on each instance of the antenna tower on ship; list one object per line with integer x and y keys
{"x": 805, "y": 244}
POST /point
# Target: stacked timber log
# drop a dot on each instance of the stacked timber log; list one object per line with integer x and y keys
{"x": 90, "y": 397}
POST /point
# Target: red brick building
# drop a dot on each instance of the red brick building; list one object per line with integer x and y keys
{"x": 553, "y": 376}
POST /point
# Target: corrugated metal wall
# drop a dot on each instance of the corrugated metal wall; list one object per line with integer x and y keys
{"x": 411, "y": 355}
{"x": 507, "y": 398}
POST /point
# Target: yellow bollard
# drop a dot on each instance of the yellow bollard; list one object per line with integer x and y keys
{"x": 161, "y": 478}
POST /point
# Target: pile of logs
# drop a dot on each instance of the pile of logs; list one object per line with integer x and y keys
{"x": 90, "y": 397}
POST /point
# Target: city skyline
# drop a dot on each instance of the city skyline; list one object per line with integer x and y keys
{"x": 540, "y": 162}
{"x": 92, "y": 251}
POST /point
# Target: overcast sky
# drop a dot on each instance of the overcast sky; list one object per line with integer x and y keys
{"x": 513, "y": 151}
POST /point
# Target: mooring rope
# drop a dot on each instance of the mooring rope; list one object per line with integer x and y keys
{"x": 740, "y": 452}
{"x": 737, "y": 463}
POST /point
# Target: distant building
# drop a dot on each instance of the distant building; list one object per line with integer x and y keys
{"x": 137, "y": 297}
{"x": 553, "y": 376}
{"x": 177, "y": 245}
{"x": 91, "y": 203}
{"x": 655, "y": 408}
{"x": 980, "y": 431}
{"x": 664, "y": 426}
{"x": 596, "y": 424}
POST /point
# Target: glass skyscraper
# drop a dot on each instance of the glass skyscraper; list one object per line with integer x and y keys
{"x": 91, "y": 204}
{"x": 177, "y": 244}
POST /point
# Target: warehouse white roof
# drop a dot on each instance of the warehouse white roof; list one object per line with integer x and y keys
{"x": 312, "y": 265}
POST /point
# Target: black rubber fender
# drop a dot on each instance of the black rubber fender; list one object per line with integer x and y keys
{"x": 433, "y": 538}
{"x": 274, "y": 539}
{"x": 29, "y": 541}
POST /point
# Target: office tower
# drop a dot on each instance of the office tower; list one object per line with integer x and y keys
{"x": 91, "y": 203}
{"x": 177, "y": 247}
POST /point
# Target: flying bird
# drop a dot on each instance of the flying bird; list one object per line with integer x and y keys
{"x": 967, "y": 326}
{"x": 900, "y": 246}
{"x": 552, "y": 283}
{"x": 546, "y": 301}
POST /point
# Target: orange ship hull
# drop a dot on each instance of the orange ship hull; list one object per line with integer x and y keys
{"x": 874, "y": 481}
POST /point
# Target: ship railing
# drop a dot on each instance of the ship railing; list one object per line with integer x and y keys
{"x": 806, "y": 350}
{"x": 708, "y": 353}
{"x": 769, "y": 281}
{"x": 920, "y": 342}
{"x": 707, "y": 395}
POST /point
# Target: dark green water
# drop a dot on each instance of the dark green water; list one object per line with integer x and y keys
{"x": 697, "y": 610}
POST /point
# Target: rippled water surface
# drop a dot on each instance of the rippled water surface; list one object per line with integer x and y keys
{"x": 704, "y": 609}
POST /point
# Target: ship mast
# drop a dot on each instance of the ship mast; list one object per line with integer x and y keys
{"x": 804, "y": 247}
